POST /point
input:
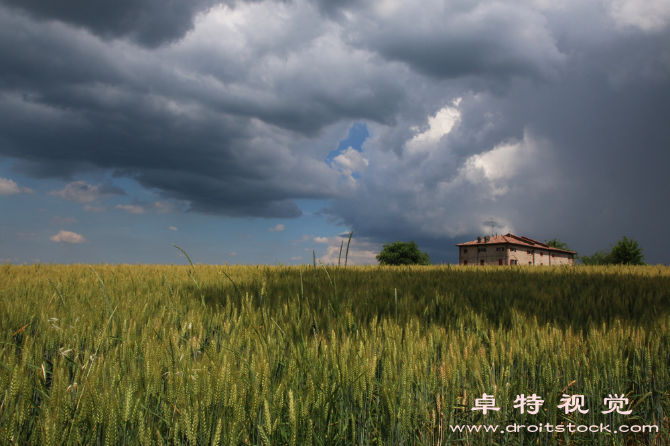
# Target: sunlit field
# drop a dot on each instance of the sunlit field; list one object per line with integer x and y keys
{"x": 311, "y": 355}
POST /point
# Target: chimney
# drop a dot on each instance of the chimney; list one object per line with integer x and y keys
{"x": 487, "y": 239}
{"x": 479, "y": 239}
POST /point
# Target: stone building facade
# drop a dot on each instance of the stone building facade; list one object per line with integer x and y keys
{"x": 510, "y": 249}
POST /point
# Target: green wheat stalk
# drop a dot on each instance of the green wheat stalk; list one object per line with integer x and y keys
{"x": 192, "y": 275}
{"x": 346, "y": 256}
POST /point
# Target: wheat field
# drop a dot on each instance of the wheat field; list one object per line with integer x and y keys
{"x": 316, "y": 355}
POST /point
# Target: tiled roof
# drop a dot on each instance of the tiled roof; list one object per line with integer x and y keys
{"x": 514, "y": 240}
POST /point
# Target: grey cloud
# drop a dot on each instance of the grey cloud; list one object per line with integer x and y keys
{"x": 40, "y": 168}
{"x": 110, "y": 189}
{"x": 240, "y": 148}
{"x": 131, "y": 208}
{"x": 598, "y": 173}
{"x": 148, "y": 22}
{"x": 237, "y": 116}
{"x": 82, "y": 192}
{"x": 450, "y": 40}
{"x": 301, "y": 81}
{"x": 333, "y": 8}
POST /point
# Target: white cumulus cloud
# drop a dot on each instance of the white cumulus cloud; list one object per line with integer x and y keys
{"x": 647, "y": 15}
{"x": 438, "y": 126}
{"x": 9, "y": 187}
{"x": 350, "y": 161}
{"x": 67, "y": 237}
{"x": 132, "y": 208}
{"x": 277, "y": 228}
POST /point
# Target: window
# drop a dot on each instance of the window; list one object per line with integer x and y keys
{"x": 513, "y": 262}
{"x": 553, "y": 255}
{"x": 541, "y": 254}
{"x": 500, "y": 261}
{"x": 501, "y": 249}
{"x": 530, "y": 263}
{"x": 481, "y": 262}
{"x": 528, "y": 252}
{"x": 465, "y": 250}
{"x": 482, "y": 250}
{"x": 512, "y": 250}
{"x": 465, "y": 262}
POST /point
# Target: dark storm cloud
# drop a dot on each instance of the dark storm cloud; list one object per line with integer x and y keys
{"x": 560, "y": 131}
{"x": 333, "y": 8}
{"x": 148, "y": 22}
{"x": 452, "y": 40}
{"x": 568, "y": 141}
{"x": 210, "y": 162}
{"x": 593, "y": 172}
{"x": 234, "y": 196}
{"x": 234, "y": 147}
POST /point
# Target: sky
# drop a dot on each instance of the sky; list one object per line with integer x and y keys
{"x": 265, "y": 131}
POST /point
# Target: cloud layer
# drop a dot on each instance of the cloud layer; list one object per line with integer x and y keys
{"x": 550, "y": 117}
{"x": 148, "y": 22}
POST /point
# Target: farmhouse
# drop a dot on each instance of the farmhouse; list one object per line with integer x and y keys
{"x": 510, "y": 249}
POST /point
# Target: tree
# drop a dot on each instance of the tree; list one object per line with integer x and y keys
{"x": 556, "y": 243}
{"x": 402, "y": 253}
{"x": 627, "y": 252}
{"x": 597, "y": 258}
